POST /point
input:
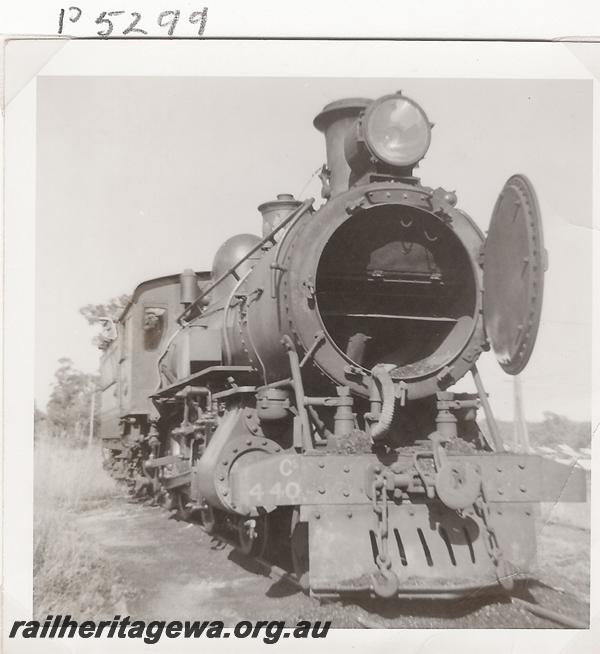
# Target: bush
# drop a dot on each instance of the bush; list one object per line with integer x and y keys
{"x": 553, "y": 430}
{"x": 71, "y": 574}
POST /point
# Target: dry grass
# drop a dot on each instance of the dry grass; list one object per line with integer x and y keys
{"x": 71, "y": 574}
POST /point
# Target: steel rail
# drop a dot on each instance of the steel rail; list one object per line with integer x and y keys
{"x": 549, "y": 614}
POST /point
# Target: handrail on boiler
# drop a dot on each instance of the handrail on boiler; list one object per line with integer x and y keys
{"x": 302, "y": 209}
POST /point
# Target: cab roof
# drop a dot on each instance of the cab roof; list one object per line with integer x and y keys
{"x": 165, "y": 280}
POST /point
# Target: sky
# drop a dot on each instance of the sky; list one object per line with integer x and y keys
{"x": 139, "y": 177}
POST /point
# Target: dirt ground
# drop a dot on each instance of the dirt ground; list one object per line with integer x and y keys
{"x": 173, "y": 570}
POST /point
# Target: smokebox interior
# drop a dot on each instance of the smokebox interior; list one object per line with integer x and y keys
{"x": 396, "y": 285}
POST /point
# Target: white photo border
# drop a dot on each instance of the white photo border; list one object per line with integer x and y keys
{"x": 28, "y": 59}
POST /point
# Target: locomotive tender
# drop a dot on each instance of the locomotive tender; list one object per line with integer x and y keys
{"x": 300, "y": 391}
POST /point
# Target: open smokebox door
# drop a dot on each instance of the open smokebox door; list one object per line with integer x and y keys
{"x": 514, "y": 263}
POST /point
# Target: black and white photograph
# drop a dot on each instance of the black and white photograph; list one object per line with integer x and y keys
{"x": 310, "y": 340}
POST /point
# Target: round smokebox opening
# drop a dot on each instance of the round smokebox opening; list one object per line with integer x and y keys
{"x": 396, "y": 285}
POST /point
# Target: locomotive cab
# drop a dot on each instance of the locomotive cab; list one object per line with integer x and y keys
{"x": 128, "y": 366}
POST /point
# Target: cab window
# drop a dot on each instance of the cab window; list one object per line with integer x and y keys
{"x": 154, "y": 323}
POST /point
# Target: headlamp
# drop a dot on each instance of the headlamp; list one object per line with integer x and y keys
{"x": 394, "y": 132}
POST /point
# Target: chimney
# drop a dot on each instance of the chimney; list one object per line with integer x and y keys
{"x": 334, "y": 121}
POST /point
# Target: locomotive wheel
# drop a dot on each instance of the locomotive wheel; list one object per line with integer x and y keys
{"x": 254, "y": 534}
{"x": 210, "y": 522}
{"x": 299, "y": 550}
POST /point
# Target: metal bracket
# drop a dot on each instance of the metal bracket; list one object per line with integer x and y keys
{"x": 308, "y": 286}
{"x": 298, "y": 391}
{"x": 319, "y": 339}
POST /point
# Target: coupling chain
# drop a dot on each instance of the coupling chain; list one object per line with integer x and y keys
{"x": 381, "y": 510}
{"x": 385, "y": 583}
{"x": 502, "y": 568}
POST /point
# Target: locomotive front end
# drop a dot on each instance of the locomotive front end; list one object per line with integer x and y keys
{"x": 378, "y": 298}
{"x": 323, "y": 406}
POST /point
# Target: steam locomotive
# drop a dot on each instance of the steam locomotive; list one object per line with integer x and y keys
{"x": 299, "y": 392}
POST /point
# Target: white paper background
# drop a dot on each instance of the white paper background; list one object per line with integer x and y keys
{"x": 85, "y": 58}
{"x": 515, "y": 19}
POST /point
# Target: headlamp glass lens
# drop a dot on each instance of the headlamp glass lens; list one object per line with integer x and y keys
{"x": 398, "y": 131}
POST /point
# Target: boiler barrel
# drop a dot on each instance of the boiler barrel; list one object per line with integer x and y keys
{"x": 386, "y": 282}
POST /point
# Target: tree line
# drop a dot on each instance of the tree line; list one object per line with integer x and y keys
{"x": 68, "y": 412}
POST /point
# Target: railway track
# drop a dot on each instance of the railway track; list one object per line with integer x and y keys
{"x": 555, "y": 618}
{"x": 533, "y": 598}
